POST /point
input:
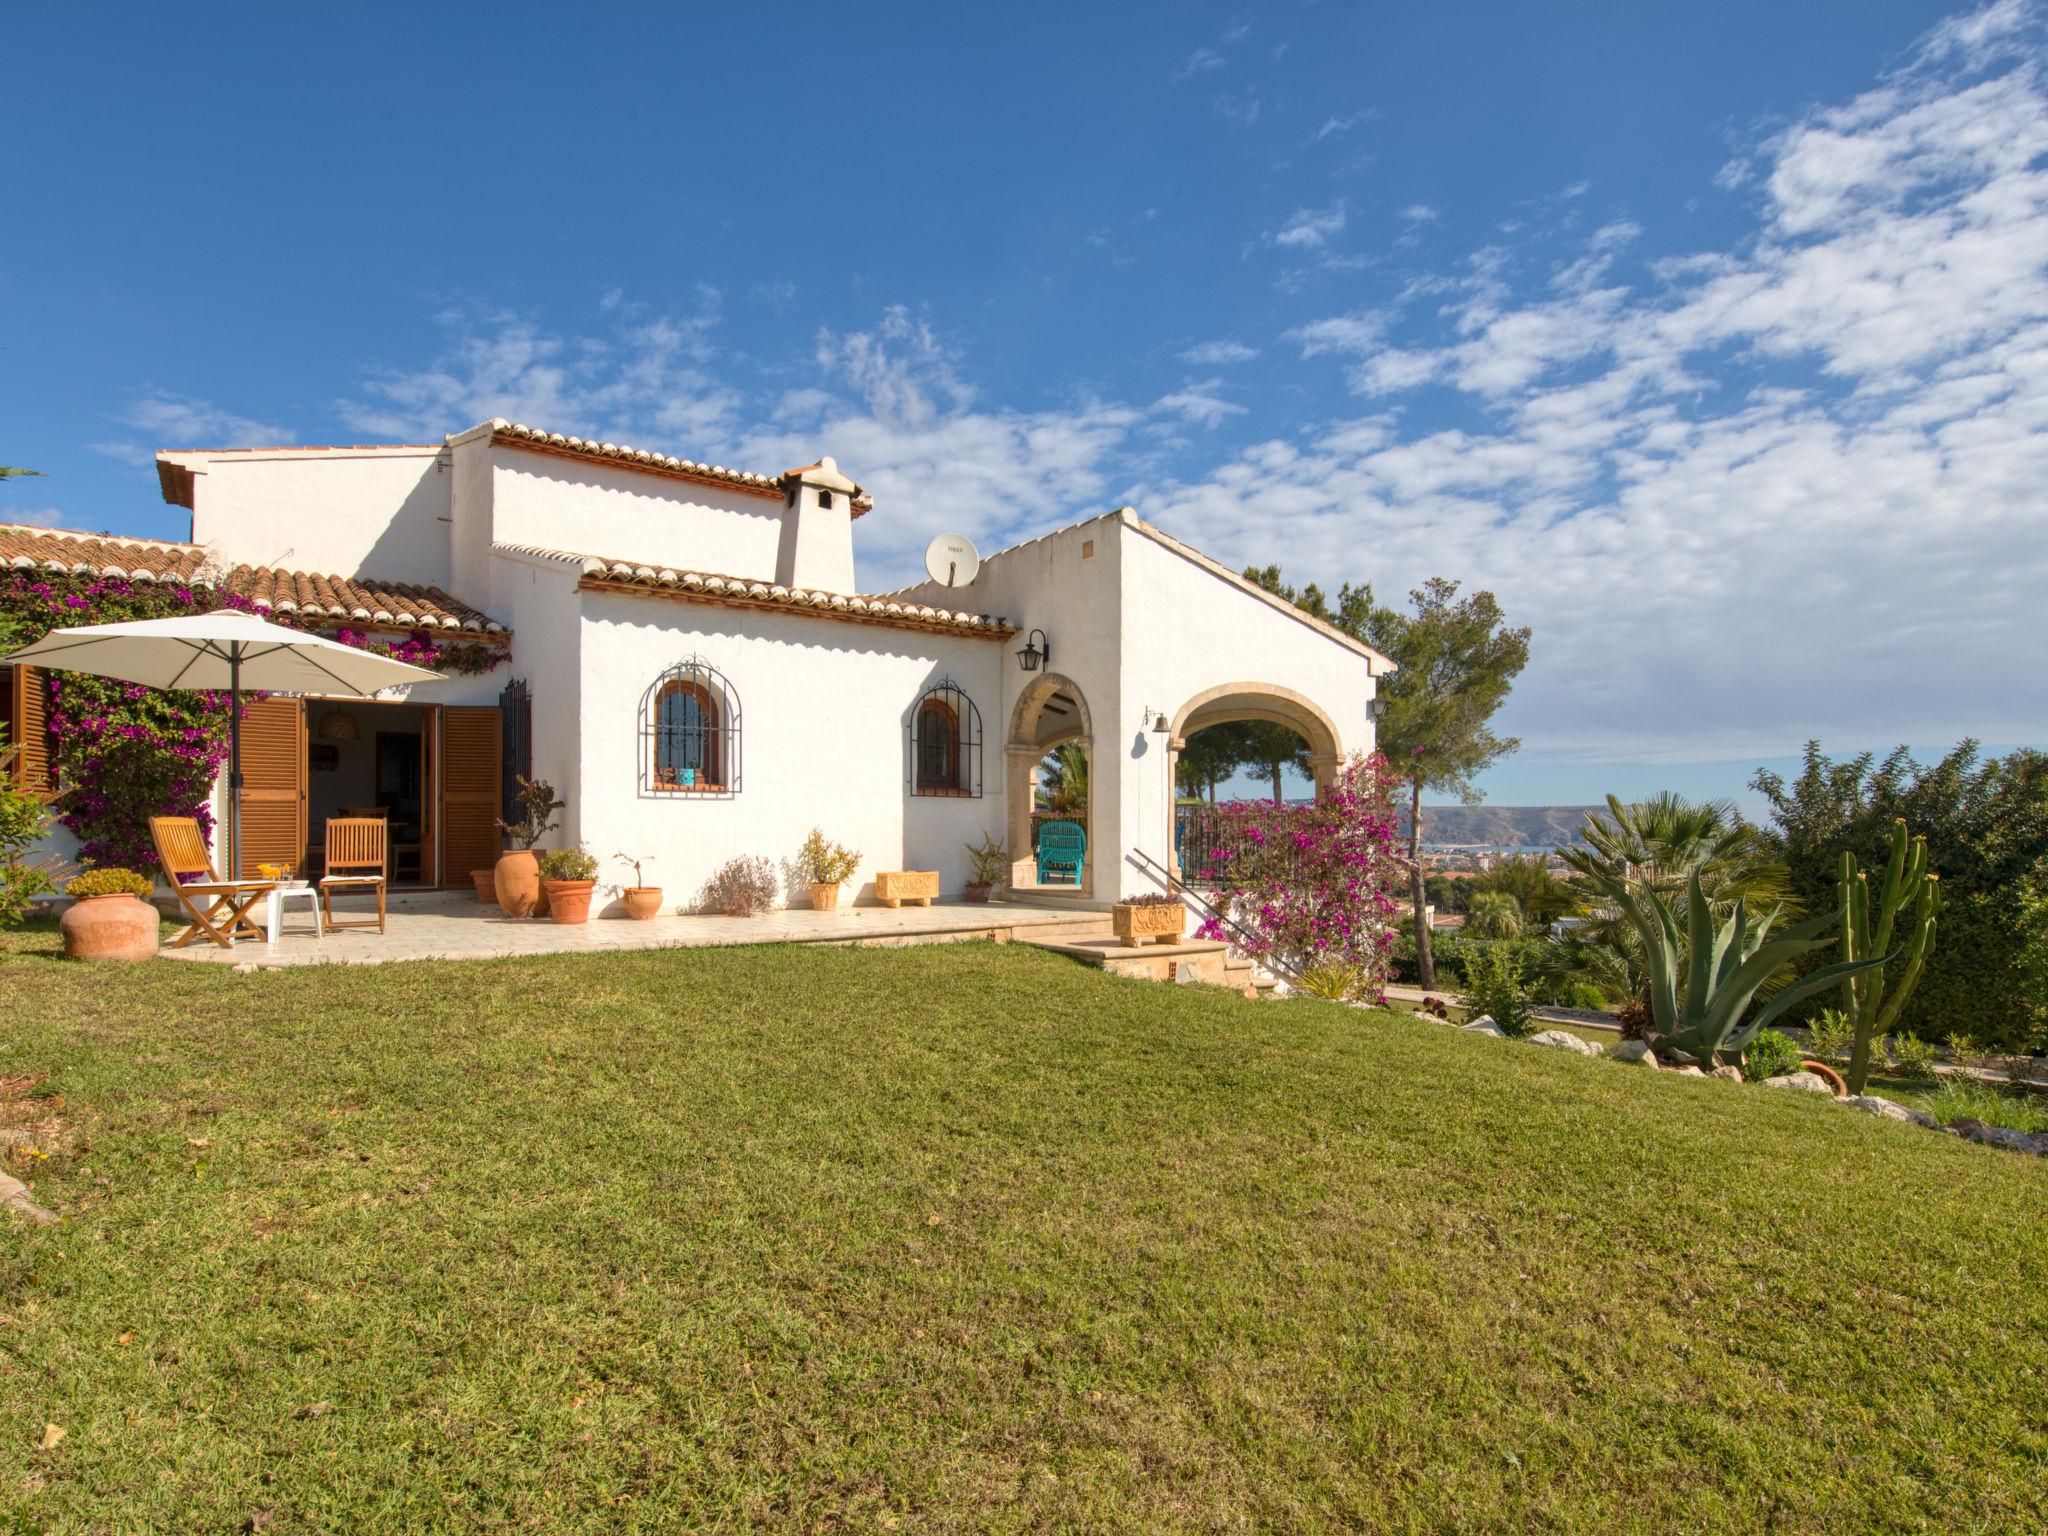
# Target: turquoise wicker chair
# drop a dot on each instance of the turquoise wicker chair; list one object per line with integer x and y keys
{"x": 1062, "y": 851}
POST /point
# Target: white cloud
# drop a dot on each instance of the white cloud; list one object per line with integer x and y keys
{"x": 31, "y": 517}
{"x": 1420, "y": 213}
{"x": 165, "y": 420}
{"x": 1332, "y": 126}
{"x": 1310, "y": 228}
{"x": 1198, "y": 403}
{"x": 1214, "y": 354}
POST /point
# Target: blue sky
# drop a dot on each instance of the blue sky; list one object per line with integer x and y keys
{"x": 1711, "y": 338}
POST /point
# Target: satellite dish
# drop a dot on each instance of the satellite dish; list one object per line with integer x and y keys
{"x": 951, "y": 560}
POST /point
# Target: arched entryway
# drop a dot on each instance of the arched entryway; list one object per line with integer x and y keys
{"x": 1050, "y": 713}
{"x": 1270, "y": 703}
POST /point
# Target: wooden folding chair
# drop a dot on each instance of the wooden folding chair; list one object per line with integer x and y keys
{"x": 355, "y": 863}
{"x": 182, "y": 852}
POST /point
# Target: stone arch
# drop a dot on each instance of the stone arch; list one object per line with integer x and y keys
{"x": 1051, "y": 711}
{"x": 1264, "y": 701}
{"x": 1272, "y": 702}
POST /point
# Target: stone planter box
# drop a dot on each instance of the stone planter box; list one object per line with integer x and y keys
{"x": 1153, "y": 922}
{"x": 893, "y": 887}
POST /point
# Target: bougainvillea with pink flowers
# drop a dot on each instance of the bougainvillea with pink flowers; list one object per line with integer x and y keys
{"x": 1314, "y": 885}
{"x": 122, "y": 753}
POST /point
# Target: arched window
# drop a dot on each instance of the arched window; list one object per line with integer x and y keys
{"x": 691, "y": 733}
{"x": 945, "y": 744}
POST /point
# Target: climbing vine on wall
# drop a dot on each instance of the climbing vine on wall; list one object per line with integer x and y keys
{"x": 122, "y": 753}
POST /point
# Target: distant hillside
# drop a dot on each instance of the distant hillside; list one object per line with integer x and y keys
{"x": 1500, "y": 826}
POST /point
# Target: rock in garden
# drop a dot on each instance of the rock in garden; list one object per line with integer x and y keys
{"x": 1636, "y": 1052}
{"x": 1727, "y": 1074}
{"x": 14, "y": 1195}
{"x": 1564, "y": 1040}
{"x": 1484, "y": 1025}
{"x": 1688, "y": 1071}
{"x": 1999, "y": 1136}
{"x": 1873, "y": 1104}
{"x": 1804, "y": 1082}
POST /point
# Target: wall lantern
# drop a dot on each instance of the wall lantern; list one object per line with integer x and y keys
{"x": 1037, "y": 650}
{"x": 338, "y": 725}
{"x": 1375, "y": 709}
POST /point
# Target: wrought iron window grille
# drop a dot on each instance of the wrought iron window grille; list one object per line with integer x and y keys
{"x": 690, "y": 733}
{"x": 945, "y": 743}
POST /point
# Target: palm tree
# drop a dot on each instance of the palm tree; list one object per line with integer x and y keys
{"x": 1494, "y": 915}
{"x": 1063, "y": 780}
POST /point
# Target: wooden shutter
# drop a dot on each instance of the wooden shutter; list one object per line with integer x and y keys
{"x": 472, "y": 747}
{"x": 28, "y": 727}
{"x": 273, "y": 785}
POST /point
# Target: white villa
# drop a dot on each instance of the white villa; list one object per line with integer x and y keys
{"x": 690, "y": 664}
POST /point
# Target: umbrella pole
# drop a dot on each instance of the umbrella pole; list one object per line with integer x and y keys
{"x": 234, "y": 761}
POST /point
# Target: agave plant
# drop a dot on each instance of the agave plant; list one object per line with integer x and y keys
{"x": 1703, "y": 975}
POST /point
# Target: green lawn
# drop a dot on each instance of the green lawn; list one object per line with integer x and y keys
{"x": 971, "y": 1239}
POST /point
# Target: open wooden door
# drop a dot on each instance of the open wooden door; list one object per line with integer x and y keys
{"x": 25, "y": 712}
{"x": 430, "y": 794}
{"x": 273, "y": 785}
{"x": 472, "y": 746}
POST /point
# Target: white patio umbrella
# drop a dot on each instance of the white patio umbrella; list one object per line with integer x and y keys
{"x": 223, "y": 651}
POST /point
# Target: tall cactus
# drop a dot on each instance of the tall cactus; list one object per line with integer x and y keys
{"x": 1910, "y": 899}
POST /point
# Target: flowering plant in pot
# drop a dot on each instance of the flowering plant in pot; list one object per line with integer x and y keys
{"x": 642, "y": 900}
{"x": 990, "y": 863}
{"x": 1161, "y": 918}
{"x": 568, "y": 875}
{"x": 741, "y": 888}
{"x": 108, "y": 920}
{"x": 825, "y": 865}
{"x": 517, "y": 877}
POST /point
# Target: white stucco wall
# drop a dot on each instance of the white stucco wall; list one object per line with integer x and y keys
{"x": 379, "y": 512}
{"x": 623, "y": 514}
{"x": 1140, "y": 629}
{"x": 824, "y": 707}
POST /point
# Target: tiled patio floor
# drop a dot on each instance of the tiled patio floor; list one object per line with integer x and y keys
{"x": 457, "y": 927}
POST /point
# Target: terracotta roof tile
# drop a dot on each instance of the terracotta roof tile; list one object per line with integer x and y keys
{"x": 739, "y": 592}
{"x": 520, "y": 435}
{"x": 351, "y": 600}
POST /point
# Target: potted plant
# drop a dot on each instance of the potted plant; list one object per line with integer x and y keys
{"x": 517, "y": 877}
{"x": 991, "y": 865}
{"x": 826, "y": 866}
{"x": 568, "y": 875}
{"x": 108, "y": 920}
{"x": 642, "y": 900}
{"x": 1159, "y": 917}
{"x": 486, "y": 885}
{"x": 742, "y": 887}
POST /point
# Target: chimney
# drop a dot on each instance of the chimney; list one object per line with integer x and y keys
{"x": 817, "y": 529}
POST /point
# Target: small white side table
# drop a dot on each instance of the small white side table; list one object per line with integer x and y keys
{"x": 279, "y": 895}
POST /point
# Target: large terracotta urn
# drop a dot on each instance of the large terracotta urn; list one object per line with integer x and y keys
{"x": 517, "y": 882}
{"x": 118, "y": 927}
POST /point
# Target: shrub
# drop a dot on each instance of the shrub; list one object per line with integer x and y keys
{"x": 568, "y": 864}
{"x": 742, "y": 888}
{"x": 1311, "y": 885}
{"x": 1911, "y": 1058}
{"x": 990, "y": 861}
{"x": 1771, "y": 1054}
{"x": 109, "y": 882}
{"x": 23, "y": 820}
{"x": 1493, "y": 985}
{"x": 1831, "y": 1035}
{"x": 1333, "y": 983}
{"x": 823, "y": 862}
{"x": 1581, "y": 994}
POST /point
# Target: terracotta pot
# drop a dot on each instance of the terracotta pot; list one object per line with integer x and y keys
{"x": 517, "y": 882}
{"x": 569, "y": 900}
{"x": 119, "y": 927}
{"x": 642, "y": 902}
{"x": 486, "y": 885}
{"x": 977, "y": 892}
{"x": 824, "y": 898}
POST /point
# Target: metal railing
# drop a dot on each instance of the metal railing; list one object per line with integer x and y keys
{"x": 1205, "y": 910}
